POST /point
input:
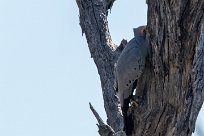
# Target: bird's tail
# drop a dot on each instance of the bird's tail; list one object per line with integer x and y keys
{"x": 128, "y": 121}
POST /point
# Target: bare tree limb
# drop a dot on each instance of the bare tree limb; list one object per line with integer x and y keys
{"x": 93, "y": 21}
{"x": 104, "y": 129}
{"x": 99, "y": 119}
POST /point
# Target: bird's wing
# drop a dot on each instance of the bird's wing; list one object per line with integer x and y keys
{"x": 129, "y": 68}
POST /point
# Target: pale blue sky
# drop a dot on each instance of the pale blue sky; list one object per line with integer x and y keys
{"x": 47, "y": 77}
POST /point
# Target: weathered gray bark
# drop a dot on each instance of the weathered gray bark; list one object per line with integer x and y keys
{"x": 171, "y": 94}
{"x": 171, "y": 90}
{"x": 93, "y": 21}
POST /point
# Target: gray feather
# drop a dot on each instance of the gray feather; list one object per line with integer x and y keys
{"x": 130, "y": 65}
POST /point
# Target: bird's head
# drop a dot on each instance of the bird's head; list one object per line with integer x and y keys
{"x": 140, "y": 31}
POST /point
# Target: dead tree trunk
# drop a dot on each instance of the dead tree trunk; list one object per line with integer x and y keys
{"x": 172, "y": 86}
{"x": 173, "y": 92}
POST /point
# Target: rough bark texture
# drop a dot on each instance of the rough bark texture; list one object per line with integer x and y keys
{"x": 93, "y": 21}
{"x": 171, "y": 89}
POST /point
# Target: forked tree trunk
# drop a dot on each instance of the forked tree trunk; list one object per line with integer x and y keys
{"x": 171, "y": 89}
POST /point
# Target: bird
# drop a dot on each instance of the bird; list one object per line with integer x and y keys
{"x": 129, "y": 68}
